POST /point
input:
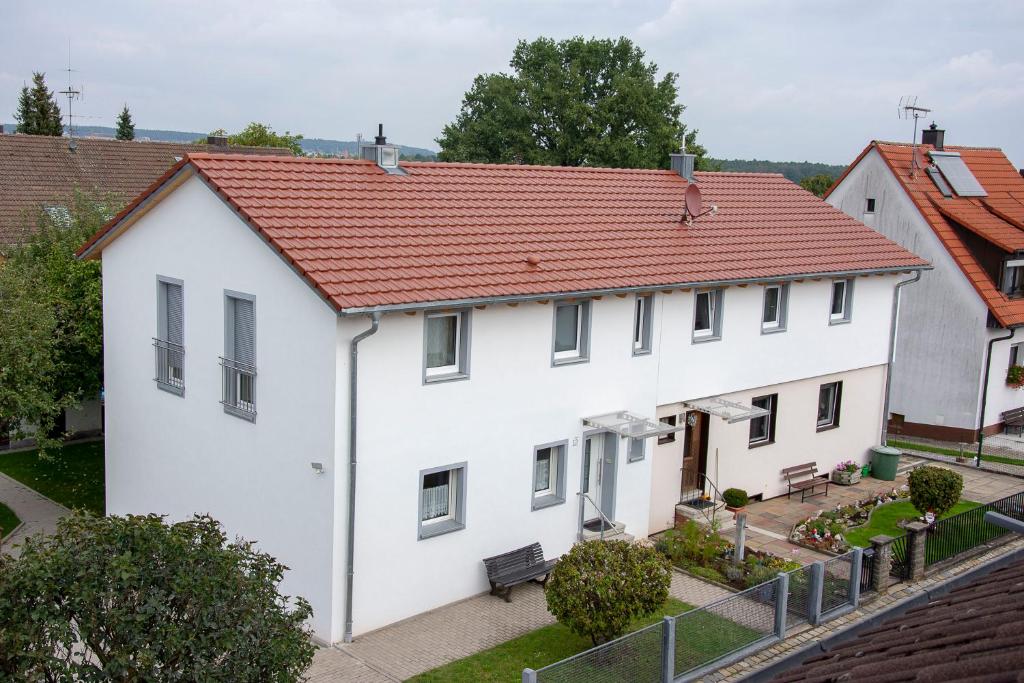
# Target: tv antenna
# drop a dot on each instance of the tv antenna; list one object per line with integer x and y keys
{"x": 72, "y": 94}
{"x": 908, "y": 109}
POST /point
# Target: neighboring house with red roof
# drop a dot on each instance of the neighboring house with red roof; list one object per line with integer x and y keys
{"x": 538, "y": 348}
{"x": 962, "y": 208}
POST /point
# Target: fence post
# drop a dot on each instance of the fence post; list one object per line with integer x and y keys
{"x": 529, "y": 676}
{"x": 917, "y": 537}
{"x": 781, "y": 604}
{"x": 741, "y": 537}
{"x": 882, "y": 545}
{"x": 668, "y": 649}
{"x": 856, "y": 566}
{"x": 814, "y": 591}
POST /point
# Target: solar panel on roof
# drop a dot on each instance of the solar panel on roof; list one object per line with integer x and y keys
{"x": 956, "y": 173}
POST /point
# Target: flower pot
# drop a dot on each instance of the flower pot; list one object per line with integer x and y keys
{"x": 735, "y": 510}
{"x": 845, "y": 477}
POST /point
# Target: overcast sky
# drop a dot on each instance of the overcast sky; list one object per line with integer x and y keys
{"x": 779, "y": 79}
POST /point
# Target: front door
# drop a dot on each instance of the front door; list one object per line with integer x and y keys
{"x": 598, "y": 478}
{"x": 695, "y": 454}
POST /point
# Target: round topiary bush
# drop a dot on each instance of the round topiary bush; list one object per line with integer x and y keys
{"x": 599, "y": 587}
{"x": 735, "y": 498}
{"x": 935, "y": 488}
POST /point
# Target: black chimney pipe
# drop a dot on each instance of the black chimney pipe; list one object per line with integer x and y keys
{"x": 380, "y": 140}
{"x": 933, "y": 135}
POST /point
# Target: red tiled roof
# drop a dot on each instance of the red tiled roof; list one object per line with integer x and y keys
{"x": 971, "y": 634}
{"x": 452, "y": 232}
{"x": 38, "y": 170}
{"x": 998, "y": 218}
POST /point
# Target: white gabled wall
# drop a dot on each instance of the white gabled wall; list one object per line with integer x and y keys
{"x": 180, "y": 456}
{"x": 1001, "y": 397}
{"x": 942, "y": 322}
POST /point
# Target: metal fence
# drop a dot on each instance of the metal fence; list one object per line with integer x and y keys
{"x": 901, "y": 557}
{"x": 710, "y": 637}
{"x": 170, "y": 365}
{"x": 867, "y": 571}
{"x": 967, "y": 530}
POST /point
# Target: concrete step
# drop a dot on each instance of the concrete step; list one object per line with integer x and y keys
{"x": 722, "y": 517}
{"x": 617, "y": 532}
{"x": 907, "y": 466}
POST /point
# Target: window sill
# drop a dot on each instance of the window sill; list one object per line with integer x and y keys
{"x": 247, "y": 415}
{"x": 642, "y": 352}
{"x": 665, "y": 441}
{"x": 170, "y": 388}
{"x": 825, "y": 428}
{"x": 760, "y": 443}
{"x": 541, "y": 502}
{"x": 772, "y": 330}
{"x": 440, "y": 528}
{"x": 838, "y": 321}
{"x": 630, "y": 460}
{"x": 450, "y": 377}
{"x": 706, "y": 338}
{"x": 574, "y": 360}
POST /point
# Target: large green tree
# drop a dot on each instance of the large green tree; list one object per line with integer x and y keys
{"x": 817, "y": 184}
{"x": 125, "y": 125}
{"x": 51, "y": 320}
{"x": 261, "y": 135}
{"x": 575, "y": 102}
{"x": 38, "y": 113}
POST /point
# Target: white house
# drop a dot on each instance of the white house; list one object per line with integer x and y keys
{"x": 535, "y": 346}
{"x": 962, "y": 208}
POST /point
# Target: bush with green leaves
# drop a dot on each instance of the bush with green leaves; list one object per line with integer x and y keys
{"x": 935, "y": 488}
{"x": 690, "y": 545}
{"x": 735, "y": 498}
{"x": 599, "y": 587}
{"x": 136, "y": 599}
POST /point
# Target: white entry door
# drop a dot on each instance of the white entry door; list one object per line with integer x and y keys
{"x": 592, "y": 466}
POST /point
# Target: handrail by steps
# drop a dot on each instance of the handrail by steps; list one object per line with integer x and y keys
{"x": 603, "y": 517}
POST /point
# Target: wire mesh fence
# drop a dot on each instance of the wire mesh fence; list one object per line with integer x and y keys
{"x": 633, "y": 657}
{"x": 835, "y": 588}
{"x": 725, "y": 627}
{"x": 798, "y": 605}
{"x": 960, "y": 533}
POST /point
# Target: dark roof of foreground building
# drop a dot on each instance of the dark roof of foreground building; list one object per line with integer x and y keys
{"x": 973, "y": 633}
{"x": 42, "y": 170}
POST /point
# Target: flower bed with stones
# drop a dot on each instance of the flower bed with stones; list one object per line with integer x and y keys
{"x": 825, "y": 530}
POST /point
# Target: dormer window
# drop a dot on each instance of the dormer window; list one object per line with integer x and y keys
{"x": 1013, "y": 276}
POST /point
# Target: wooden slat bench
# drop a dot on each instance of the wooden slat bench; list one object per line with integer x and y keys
{"x": 808, "y": 469}
{"x": 516, "y": 567}
{"x": 1014, "y": 420}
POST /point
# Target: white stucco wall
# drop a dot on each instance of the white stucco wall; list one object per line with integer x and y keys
{"x": 941, "y": 334}
{"x": 180, "y": 456}
{"x": 1002, "y": 397}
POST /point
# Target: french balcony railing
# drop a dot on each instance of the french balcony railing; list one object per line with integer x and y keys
{"x": 170, "y": 366}
{"x": 238, "y": 388}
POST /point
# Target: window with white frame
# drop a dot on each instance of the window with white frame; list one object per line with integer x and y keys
{"x": 168, "y": 344}
{"x": 773, "y": 310}
{"x": 238, "y": 381}
{"x": 572, "y": 332}
{"x": 446, "y": 345}
{"x": 829, "y": 399}
{"x": 707, "y": 315}
{"x": 762, "y": 429}
{"x": 842, "y": 298}
{"x": 1012, "y": 283}
{"x": 642, "y": 316}
{"x": 636, "y": 450}
{"x": 549, "y": 475}
{"x": 442, "y": 500}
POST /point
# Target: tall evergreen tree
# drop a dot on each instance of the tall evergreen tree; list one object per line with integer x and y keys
{"x": 125, "y": 125}
{"x": 38, "y": 113}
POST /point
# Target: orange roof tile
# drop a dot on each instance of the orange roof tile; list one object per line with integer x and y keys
{"x": 998, "y": 218}
{"x": 450, "y": 232}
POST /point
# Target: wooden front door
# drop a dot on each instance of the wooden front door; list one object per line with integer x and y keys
{"x": 695, "y": 451}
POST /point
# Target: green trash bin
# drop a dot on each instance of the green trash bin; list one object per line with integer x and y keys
{"x": 884, "y": 461}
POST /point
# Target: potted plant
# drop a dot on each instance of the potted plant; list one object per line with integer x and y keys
{"x": 1015, "y": 376}
{"x": 846, "y": 473}
{"x": 735, "y": 499}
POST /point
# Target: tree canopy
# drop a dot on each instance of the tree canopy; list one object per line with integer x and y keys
{"x": 261, "y": 135}
{"x": 125, "y": 125}
{"x": 51, "y": 326}
{"x": 575, "y": 102}
{"x": 38, "y": 113}
{"x": 136, "y": 599}
{"x": 817, "y": 184}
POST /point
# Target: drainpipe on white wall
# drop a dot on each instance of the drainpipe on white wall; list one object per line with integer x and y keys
{"x": 350, "y": 550}
{"x": 893, "y": 323}
{"x": 984, "y": 392}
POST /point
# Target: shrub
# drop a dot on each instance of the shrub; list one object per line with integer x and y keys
{"x": 760, "y": 574}
{"x": 599, "y": 587}
{"x": 735, "y": 498}
{"x": 692, "y": 545}
{"x": 133, "y": 599}
{"x": 935, "y": 488}
{"x": 708, "y": 573}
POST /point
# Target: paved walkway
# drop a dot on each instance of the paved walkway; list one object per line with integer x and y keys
{"x": 37, "y": 512}
{"x": 429, "y": 640}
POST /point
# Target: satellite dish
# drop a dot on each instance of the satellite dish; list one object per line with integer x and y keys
{"x": 693, "y": 200}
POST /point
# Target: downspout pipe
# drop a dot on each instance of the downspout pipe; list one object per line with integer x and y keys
{"x": 984, "y": 392}
{"x": 893, "y": 324}
{"x": 350, "y": 550}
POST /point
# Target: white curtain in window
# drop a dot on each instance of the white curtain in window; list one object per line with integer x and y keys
{"x": 543, "y": 467}
{"x": 435, "y": 502}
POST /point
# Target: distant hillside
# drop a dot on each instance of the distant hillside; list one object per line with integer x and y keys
{"x": 793, "y": 170}
{"x": 311, "y": 145}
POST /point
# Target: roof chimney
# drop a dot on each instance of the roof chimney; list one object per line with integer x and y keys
{"x": 217, "y": 140}
{"x": 380, "y": 139}
{"x": 933, "y": 135}
{"x": 684, "y": 164}
{"x": 382, "y": 154}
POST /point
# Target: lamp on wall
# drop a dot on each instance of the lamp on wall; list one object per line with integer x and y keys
{"x": 691, "y": 419}
{"x": 318, "y": 467}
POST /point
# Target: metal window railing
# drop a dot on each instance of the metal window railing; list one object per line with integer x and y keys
{"x": 238, "y": 388}
{"x": 170, "y": 365}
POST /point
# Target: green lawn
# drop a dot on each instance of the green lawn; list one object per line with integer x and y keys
{"x": 968, "y": 453}
{"x": 704, "y": 638}
{"x": 884, "y": 520}
{"x": 8, "y": 520}
{"x": 73, "y": 476}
